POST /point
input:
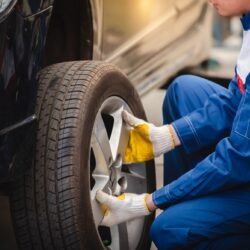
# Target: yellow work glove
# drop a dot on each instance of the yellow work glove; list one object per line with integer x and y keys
{"x": 146, "y": 141}
{"x": 121, "y": 208}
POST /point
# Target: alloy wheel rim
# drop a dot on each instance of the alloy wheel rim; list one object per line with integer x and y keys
{"x": 108, "y": 140}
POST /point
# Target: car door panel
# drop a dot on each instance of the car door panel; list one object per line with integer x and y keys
{"x": 123, "y": 20}
{"x": 139, "y": 26}
{"x": 143, "y": 28}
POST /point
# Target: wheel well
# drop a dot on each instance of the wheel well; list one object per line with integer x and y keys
{"x": 70, "y": 32}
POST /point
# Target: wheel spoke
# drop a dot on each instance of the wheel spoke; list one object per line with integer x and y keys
{"x": 120, "y": 238}
{"x": 114, "y": 230}
{"x": 119, "y": 136}
{"x": 101, "y": 147}
{"x": 103, "y": 156}
{"x": 123, "y": 233}
{"x": 126, "y": 235}
{"x": 134, "y": 229}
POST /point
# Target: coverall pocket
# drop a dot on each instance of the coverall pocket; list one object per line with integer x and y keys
{"x": 242, "y": 118}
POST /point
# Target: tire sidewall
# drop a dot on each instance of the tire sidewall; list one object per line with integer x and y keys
{"x": 110, "y": 84}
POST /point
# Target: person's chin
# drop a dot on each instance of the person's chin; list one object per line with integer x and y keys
{"x": 226, "y": 14}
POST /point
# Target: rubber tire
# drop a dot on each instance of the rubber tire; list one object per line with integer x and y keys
{"x": 50, "y": 204}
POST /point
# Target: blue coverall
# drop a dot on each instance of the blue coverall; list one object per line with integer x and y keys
{"x": 206, "y": 199}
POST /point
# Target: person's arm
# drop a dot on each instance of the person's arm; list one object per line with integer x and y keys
{"x": 227, "y": 167}
{"x": 150, "y": 203}
{"x": 198, "y": 129}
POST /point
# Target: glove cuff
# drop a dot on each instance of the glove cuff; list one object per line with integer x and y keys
{"x": 139, "y": 206}
{"x": 163, "y": 140}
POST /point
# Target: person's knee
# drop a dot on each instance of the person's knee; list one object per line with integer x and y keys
{"x": 180, "y": 85}
{"x": 154, "y": 230}
{"x": 177, "y": 90}
{"x": 156, "y": 234}
{"x": 175, "y": 87}
{"x": 166, "y": 233}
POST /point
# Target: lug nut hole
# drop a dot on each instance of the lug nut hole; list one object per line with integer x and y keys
{"x": 123, "y": 183}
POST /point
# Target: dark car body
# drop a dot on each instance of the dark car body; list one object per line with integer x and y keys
{"x": 149, "y": 40}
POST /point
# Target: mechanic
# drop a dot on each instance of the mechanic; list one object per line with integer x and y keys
{"x": 206, "y": 142}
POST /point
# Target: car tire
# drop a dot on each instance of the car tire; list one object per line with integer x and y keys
{"x": 52, "y": 204}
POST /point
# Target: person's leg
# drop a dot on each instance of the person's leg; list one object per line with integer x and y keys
{"x": 186, "y": 94}
{"x": 231, "y": 242}
{"x": 205, "y": 220}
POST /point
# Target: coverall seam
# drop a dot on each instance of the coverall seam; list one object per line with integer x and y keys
{"x": 185, "y": 145}
{"x": 239, "y": 115}
{"x": 167, "y": 193}
{"x": 244, "y": 136}
{"x": 247, "y": 130}
{"x": 167, "y": 197}
{"x": 236, "y": 130}
{"x": 179, "y": 135}
{"x": 192, "y": 129}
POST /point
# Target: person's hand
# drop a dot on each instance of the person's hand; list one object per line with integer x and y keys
{"x": 146, "y": 141}
{"x": 121, "y": 208}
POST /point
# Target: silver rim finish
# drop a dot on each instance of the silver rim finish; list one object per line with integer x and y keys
{"x": 108, "y": 140}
